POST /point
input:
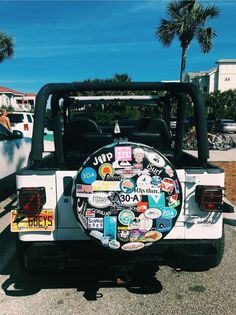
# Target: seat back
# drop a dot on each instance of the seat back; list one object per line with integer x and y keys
{"x": 74, "y": 131}
{"x": 153, "y": 132}
{"x": 160, "y": 126}
{"x": 81, "y": 138}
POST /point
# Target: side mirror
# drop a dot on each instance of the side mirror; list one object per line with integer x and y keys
{"x": 17, "y": 134}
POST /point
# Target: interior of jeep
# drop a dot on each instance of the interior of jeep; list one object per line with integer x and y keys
{"x": 83, "y": 137}
{"x": 79, "y": 131}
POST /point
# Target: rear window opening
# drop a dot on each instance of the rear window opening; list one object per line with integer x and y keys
{"x": 16, "y": 118}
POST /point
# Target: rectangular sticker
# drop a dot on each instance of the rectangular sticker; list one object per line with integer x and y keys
{"x": 110, "y": 227}
{"x": 83, "y": 190}
{"x": 157, "y": 201}
{"x": 123, "y": 153}
{"x": 100, "y": 185}
{"x": 95, "y": 223}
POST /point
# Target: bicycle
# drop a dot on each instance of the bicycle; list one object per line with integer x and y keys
{"x": 216, "y": 141}
{"x": 190, "y": 141}
{"x": 220, "y": 142}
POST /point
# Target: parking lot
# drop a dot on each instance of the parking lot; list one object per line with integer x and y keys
{"x": 70, "y": 291}
{"x": 95, "y": 292}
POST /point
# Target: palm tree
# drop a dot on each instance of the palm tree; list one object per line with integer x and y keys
{"x": 123, "y": 77}
{"x": 187, "y": 19}
{"x": 6, "y": 47}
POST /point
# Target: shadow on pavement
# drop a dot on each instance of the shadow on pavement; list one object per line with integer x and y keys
{"x": 228, "y": 221}
{"x": 10, "y": 206}
{"x": 21, "y": 283}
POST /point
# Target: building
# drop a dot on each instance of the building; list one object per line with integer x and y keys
{"x": 18, "y": 100}
{"x": 221, "y": 78}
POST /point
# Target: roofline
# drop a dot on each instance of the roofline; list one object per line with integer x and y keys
{"x": 4, "y": 89}
{"x": 202, "y": 73}
{"x": 226, "y": 61}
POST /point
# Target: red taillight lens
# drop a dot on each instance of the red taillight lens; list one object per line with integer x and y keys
{"x": 32, "y": 199}
{"x": 26, "y": 127}
{"x": 209, "y": 198}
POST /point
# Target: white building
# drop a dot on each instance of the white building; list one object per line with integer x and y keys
{"x": 222, "y": 78}
{"x": 18, "y": 100}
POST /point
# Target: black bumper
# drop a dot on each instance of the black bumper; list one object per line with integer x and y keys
{"x": 87, "y": 254}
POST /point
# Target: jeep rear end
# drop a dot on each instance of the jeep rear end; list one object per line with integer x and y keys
{"x": 119, "y": 202}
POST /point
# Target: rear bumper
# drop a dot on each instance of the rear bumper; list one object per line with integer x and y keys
{"x": 61, "y": 255}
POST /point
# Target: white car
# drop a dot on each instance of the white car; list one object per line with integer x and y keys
{"x": 14, "y": 154}
{"x": 226, "y": 125}
{"x": 22, "y": 121}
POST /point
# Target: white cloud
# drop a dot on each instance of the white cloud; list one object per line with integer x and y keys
{"x": 18, "y": 81}
{"x": 61, "y": 50}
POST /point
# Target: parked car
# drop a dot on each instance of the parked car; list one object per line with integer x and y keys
{"x": 22, "y": 121}
{"x": 226, "y": 125}
{"x": 15, "y": 150}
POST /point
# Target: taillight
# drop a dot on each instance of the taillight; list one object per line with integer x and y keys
{"x": 26, "y": 127}
{"x": 209, "y": 198}
{"x": 32, "y": 199}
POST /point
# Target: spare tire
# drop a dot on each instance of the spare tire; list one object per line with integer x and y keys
{"x": 127, "y": 196}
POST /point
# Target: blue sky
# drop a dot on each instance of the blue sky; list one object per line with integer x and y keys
{"x": 65, "y": 41}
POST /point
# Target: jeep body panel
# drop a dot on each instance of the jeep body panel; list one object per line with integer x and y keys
{"x": 60, "y": 172}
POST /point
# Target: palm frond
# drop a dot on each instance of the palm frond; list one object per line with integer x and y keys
{"x": 187, "y": 4}
{"x": 173, "y": 10}
{"x": 6, "y": 46}
{"x": 166, "y": 32}
{"x": 211, "y": 11}
{"x": 205, "y": 37}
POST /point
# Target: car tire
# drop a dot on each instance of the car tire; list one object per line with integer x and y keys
{"x": 21, "y": 248}
{"x": 199, "y": 257}
{"x": 218, "y": 245}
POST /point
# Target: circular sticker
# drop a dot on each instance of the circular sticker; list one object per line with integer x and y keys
{"x": 152, "y": 236}
{"x": 127, "y": 196}
{"x": 114, "y": 244}
{"x": 88, "y": 175}
{"x": 133, "y": 246}
{"x": 127, "y": 185}
{"x": 144, "y": 181}
{"x": 126, "y": 217}
{"x": 152, "y": 213}
{"x": 155, "y": 159}
{"x": 106, "y": 170}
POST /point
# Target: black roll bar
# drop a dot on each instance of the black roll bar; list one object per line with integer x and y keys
{"x": 63, "y": 89}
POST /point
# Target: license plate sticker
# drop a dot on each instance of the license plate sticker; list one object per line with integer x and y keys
{"x": 42, "y": 221}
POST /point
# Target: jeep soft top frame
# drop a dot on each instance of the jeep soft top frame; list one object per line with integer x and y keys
{"x": 59, "y": 91}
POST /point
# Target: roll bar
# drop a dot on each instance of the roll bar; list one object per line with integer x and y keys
{"x": 62, "y": 90}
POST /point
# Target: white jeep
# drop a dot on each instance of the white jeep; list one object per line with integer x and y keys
{"x": 134, "y": 200}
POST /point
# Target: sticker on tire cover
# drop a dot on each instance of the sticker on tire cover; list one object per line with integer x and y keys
{"x": 127, "y": 213}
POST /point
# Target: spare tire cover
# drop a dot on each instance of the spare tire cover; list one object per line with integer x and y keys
{"x": 127, "y": 196}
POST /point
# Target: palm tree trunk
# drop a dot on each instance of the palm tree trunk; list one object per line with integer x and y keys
{"x": 183, "y": 63}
